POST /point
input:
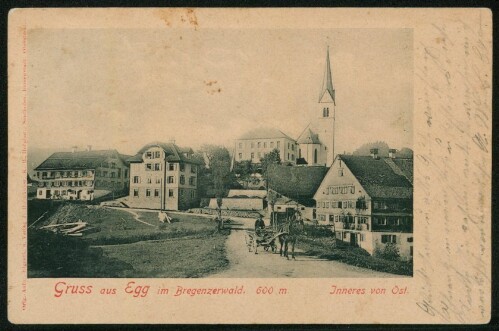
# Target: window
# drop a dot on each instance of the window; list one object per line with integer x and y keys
{"x": 327, "y": 204}
{"x": 157, "y": 154}
{"x": 149, "y": 180}
{"x": 288, "y": 156}
{"x": 264, "y": 145}
{"x": 171, "y": 166}
{"x": 119, "y": 172}
{"x": 409, "y": 239}
{"x": 292, "y": 157}
{"x": 271, "y": 144}
{"x": 148, "y": 166}
{"x": 193, "y": 169}
{"x": 170, "y": 193}
{"x": 148, "y": 155}
{"x": 40, "y": 192}
{"x": 339, "y": 204}
{"x": 388, "y": 238}
{"x": 292, "y": 147}
{"x": 381, "y": 221}
{"x": 278, "y": 144}
{"x": 325, "y": 112}
{"x": 240, "y": 156}
{"x": 315, "y": 155}
{"x": 112, "y": 174}
{"x": 259, "y": 144}
{"x": 181, "y": 192}
{"x": 182, "y": 167}
{"x": 192, "y": 181}
{"x": 156, "y": 192}
{"x": 148, "y": 193}
{"x": 340, "y": 172}
{"x": 182, "y": 179}
{"x": 136, "y": 179}
{"x": 171, "y": 179}
{"x": 158, "y": 180}
{"x": 252, "y": 155}
{"x": 240, "y": 145}
{"x": 362, "y": 237}
{"x": 157, "y": 166}
{"x": 411, "y": 250}
{"x": 136, "y": 192}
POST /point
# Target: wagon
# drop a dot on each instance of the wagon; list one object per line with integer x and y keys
{"x": 266, "y": 238}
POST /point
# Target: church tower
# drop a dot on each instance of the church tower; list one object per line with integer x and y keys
{"x": 316, "y": 143}
{"x": 327, "y": 110}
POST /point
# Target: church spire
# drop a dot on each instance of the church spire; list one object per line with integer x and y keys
{"x": 327, "y": 91}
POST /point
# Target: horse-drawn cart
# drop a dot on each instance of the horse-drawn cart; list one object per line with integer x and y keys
{"x": 265, "y": 238}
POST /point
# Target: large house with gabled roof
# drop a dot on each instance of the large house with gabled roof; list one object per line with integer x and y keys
{"x": 368, "y": 201}
{"x": 254, "y": 144}
{"x": 163, "y": 176}
{"x": 294, "y": 188}
{"x": 82, "y": 175}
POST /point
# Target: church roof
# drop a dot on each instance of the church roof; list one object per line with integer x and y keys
{"x": 327, "y": 91}
{"x": 308, "y": 137}
{"x": 262, "y": 133}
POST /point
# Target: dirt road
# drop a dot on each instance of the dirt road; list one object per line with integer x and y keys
{"x": 244, "y": 264}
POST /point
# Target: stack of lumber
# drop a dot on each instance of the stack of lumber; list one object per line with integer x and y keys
{"x": 74, "y": 229}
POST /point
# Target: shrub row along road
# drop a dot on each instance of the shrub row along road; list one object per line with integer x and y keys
{"x": 244, "y": 264}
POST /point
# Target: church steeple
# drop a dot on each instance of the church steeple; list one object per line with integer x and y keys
{"x": 327, "y": 91}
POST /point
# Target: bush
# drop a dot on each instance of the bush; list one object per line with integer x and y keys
{"x": 390, "y": 252}
{"x": 318, "y": 231}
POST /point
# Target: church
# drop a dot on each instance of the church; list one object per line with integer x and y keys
{"x": 314, "y": 146}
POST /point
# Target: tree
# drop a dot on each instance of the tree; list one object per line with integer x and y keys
{"x": 244, "y": 170}
{"x": 220, "y": 169}
{"x": 268, "y": 159}
{"x": 366, "y": 149}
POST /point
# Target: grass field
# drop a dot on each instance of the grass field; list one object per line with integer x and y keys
{"x": 129, "y": 244}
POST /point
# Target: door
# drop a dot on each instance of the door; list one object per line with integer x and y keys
{"x": 353, "y": 239}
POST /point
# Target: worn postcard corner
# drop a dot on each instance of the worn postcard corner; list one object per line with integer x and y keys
{"x": 189, "y": 165}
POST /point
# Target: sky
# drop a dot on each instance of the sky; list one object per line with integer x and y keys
{"x": 121, "y": 89}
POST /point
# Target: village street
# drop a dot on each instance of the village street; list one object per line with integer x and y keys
{"x": 244, "y": 264}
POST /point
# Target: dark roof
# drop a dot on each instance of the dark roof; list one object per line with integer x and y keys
{"x": 379, "y": 177}
{"x": 263, "y": 133}
{"x": 173, "y": 152}
{"x": 308, "y": 137}
{"x": 297, "y": 183}
{"x": 78, "y": 160}
{"x": 407, "y": 167}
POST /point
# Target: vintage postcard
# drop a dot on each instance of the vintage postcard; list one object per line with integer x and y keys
{"x": 213, "y": 166}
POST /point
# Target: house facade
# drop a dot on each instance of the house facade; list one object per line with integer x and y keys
{"x": 368, "y": 201}
{"x": 163, "y": 176}
{"x": 254, "y": 144}
{"x": 82, "y": 175}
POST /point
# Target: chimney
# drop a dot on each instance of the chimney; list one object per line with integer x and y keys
{"x": 391, "y": 153}
{"x": 89, "y": 148}
{"x": 74, "y": 148}
{"x": 374, "y": 153}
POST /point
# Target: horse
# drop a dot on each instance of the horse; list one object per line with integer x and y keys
{"x": 290, "y": 232}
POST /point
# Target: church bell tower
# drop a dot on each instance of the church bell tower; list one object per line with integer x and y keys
{"x": 327, "y": 112}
